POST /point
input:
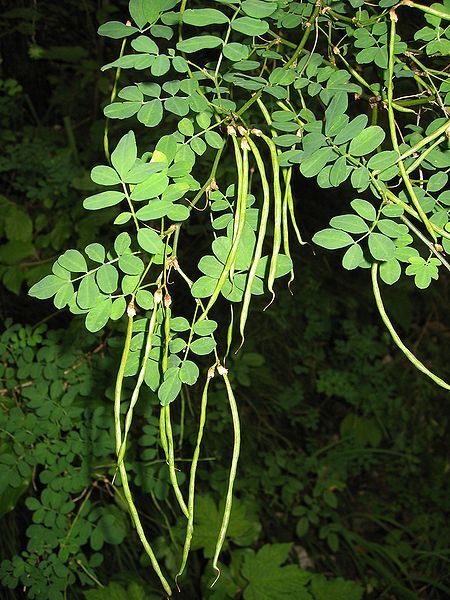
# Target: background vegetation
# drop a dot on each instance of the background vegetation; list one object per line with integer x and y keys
{"x": 342, "y": 488}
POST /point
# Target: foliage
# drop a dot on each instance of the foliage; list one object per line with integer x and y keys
{"x": 351, "y": 105}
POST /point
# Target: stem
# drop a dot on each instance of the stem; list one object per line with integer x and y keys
{"x": 113, "y": 96}
{"x": 409, "y": 355}
{"x": 428, "y": 9}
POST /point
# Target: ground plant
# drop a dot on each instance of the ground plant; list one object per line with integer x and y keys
{"x": 219, "y": 115}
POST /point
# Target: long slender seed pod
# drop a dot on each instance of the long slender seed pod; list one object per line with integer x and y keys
{"x": 229, "y": 334}
{"x": 140, "y": 530}
{"x": 238, "y": 158}
{"x": 166, "y": 424}
{"x": 122, "y": 469}
{"x": 171, "y": 462}
{"x": 241, "y": 197}
{"x": 290, "y": 200}
{"x": 234, "y": 246}
{"x": 261, "y": 236}
{"x": 140, "y": 380}
{"x": 232, "y": 476}
{"x": 409, "y": 355}
{"x": 287, "y": 174}
{"x": 190, "y": 524}
{"x": 162, "y": 434}
{"x": 119, "y": 382}
{"x": 393, "y": 131}
{"x": 277, "y": 216}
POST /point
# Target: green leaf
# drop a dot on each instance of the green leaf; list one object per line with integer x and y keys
{"x": 234, "y": 52}
{"x": 95, "y": 252}
{"x": 121, "y": 110}
{"x": 118, "y": 308}
{"x": 209, "y": 265}
{"x": 107, "y": 278}
{"x": 186, "y": 127}
{"x": 437, "y": 181}
{"x": 153, "y": 186}
{"x": 155, "y": 209}
{"x": 179, "y": 324}
{"x": 99, "y": 315}
{"x": 150, "y": 241}
{"x": 131, "y": 264}
{"x": 188, "y": 372}
{"x": 381, "y": 247}
{"x": 103, "y": 175}
{"x": 390, "y": 271}
{"x": 199, "y": 43}
{"x": 151, "y": 113}
{"x": 144, "y": 44}
{"x": 258, "y": 8}
{"x": 160, "y": 65}
{"x": 337, "y": 589}
{"x": 336, "y": 109}
{"x": 88, "y": 292}
{"x": 116, "y": 30}
{"x": 213, "y": 139}
{"x": 364, "y": 209}
{"x": 353, "y": 257}
{"x": 73, "y": 261}
{"x": 203, "y": 287}
{"x": 203, "y": 17}
{"x": 138, "y": 13}
{"x": 311, "y": 166}
{"x": 205, "y": 327}
{"x": 47, "y": 287}
{"x": 249, "y": 26}
{"x": 103, "y": 200}
{"x": 367, "y": 141}
{"x": 332, "y": 239}
{"x": 351, "y": 130}
{"x": 122, "y": 243}
{"x": 280, "y": 76}
{"x": 64, "y": 295}
{"x": 203, "y": 346}
{"x": 350, "y": 223}
{"x": 268, "y": 579}
{"x": 144, "y": 299}
{"x": 178, "y": 105}
{"x": 125, "y": 154}
{"x": 178, "y": 212}
{"x": 392, "y": 228}
{"x": 170, "y": 387}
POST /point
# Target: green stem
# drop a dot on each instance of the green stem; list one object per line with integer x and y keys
{"x": 428, "y": 10}
{"x": 113, "y": 96}
{"x": 409, "y": 355}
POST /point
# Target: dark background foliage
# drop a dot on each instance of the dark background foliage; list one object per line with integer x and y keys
{"x": 345, "y": 461}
